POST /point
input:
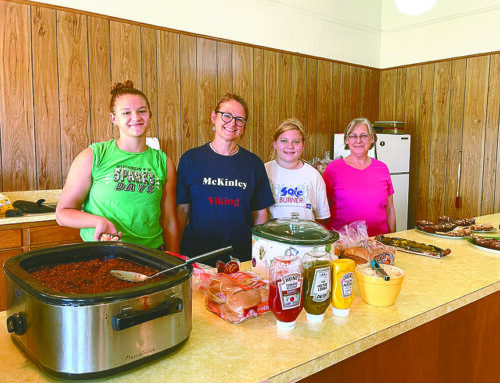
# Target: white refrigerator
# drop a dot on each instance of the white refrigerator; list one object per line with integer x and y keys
{"x": 394, "y": 151}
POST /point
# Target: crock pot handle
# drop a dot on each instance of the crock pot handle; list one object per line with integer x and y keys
{"x": 17, "y": 324}
{"x": 132, "y": 318}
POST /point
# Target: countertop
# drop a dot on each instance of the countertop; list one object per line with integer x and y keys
{"x": 50, "y": 196}
{"x": 256, "y": 351}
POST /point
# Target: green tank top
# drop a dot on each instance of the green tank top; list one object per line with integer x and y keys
{"x": 127, "y": 189}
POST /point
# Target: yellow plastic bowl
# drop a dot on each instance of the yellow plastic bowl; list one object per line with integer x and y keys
{"x": 374, "y": 290}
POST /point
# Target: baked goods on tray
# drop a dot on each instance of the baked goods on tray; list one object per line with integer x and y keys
{"x": 482, "y": 227}
{"x": 457, "y": 229}
{"x": 489, "y": 242}
{"x": 457, "y": 222}
{"x": 464, "y": 221}
{"x": 413, "y": 247}
{"x": 457, "y": 232}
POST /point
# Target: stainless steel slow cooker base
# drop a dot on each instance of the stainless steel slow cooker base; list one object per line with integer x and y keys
{"x": 92, "y": 336}
{"x": 104, "y": 373}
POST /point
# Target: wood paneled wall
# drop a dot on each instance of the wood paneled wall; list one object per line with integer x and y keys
{"x": 57, "y": 67}
{"x": 451, "y": 109}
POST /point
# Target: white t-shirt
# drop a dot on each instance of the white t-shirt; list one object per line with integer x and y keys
{"x": 299, "y": 190}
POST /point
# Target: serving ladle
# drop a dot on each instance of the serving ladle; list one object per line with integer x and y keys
{"x": 132, "y": 276}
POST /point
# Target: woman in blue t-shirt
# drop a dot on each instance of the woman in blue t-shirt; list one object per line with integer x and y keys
{"x": 222, "y": 189}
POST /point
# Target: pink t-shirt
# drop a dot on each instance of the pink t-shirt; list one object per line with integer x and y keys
{"x": 358, "y": 195}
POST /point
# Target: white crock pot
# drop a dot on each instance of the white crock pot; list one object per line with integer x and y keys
{"x": 281, "y": 236}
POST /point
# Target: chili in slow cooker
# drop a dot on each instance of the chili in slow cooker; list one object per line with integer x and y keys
{"x": 90, "y": 276}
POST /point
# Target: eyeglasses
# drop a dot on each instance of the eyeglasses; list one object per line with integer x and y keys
{"x": 228, "y": 117}
{"x": 363, "y": 137}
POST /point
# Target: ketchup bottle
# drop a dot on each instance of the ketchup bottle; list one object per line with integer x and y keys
{"x": 286, "y": 280}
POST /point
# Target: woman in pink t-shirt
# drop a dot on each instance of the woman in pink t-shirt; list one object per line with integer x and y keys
{"x": 359, "y": 188}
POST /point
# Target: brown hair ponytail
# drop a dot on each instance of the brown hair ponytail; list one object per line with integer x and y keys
{"x": 122, "y": 88}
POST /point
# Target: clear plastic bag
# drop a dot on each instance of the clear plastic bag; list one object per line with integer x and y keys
{"x": 354, "y": 243}
{"x": 201, "y": 273}
{"x": 238, "y": 296}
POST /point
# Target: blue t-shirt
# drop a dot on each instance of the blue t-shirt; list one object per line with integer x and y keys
{"x": 223, "y": 191}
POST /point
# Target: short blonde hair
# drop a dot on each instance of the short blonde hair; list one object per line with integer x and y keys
{"x": 354, "y": 124}
{"x": 288, "y": 124}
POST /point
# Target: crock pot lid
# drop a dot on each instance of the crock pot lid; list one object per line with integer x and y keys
{"x": 296, "y": 230}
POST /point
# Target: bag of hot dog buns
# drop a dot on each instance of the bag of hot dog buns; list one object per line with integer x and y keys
{"x": 238, "y": 296}
{"x": 354, "y": 243}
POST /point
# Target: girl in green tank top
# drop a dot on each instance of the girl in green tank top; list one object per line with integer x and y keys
{"x": 126, "y": 187}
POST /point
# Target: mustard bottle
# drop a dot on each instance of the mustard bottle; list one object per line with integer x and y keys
{"x": 343, "y": 284}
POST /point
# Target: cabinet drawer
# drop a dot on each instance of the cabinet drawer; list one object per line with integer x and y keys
{"x": 53, "y": 234}
{"x": 11, "y": 238}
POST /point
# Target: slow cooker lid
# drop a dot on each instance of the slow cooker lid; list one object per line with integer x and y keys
{"x": 295, "y": 231}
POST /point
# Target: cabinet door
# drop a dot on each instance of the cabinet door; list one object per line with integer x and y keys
{"x": 44, "y": 236}
{"x": 10, "y": 238}
{"x": 4, "y": 255}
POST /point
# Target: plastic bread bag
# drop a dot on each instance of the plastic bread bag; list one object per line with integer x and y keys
{"x": 201, "y": 273}
{"x": 370, "y": 249}
{"x": 355, "y": 244}
{"x": 238, "y": 296}
{"x": 201, "y": 276}
{"x": 351, "y": 235}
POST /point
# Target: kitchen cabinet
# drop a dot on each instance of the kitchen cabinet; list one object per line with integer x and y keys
{"x": 52, "y": 235}
{"x": 17, "y": 238}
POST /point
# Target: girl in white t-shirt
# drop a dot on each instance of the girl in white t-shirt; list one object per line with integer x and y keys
{"x": 296, "y": 185}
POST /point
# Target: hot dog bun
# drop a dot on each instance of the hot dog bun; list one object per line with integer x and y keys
{"x": 241, "y": 301}
{"x": 358, "y": 254}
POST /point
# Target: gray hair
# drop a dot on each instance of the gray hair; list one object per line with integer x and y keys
{"x": 354, "y": 124}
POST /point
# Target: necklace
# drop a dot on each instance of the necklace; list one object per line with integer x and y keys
{"x": 233, "y": 152}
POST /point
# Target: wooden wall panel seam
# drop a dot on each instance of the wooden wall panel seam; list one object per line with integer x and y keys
{"x": 32, "y": 92}
{"x": 496, "y": 123}
{"x": 157, "y": 88}
{"x": 429, "y": 196}
{"x": 448, "y": 119}
{"x": 59, "y": 111}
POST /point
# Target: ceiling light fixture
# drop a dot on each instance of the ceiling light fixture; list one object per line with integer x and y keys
{"x": 414, "y": 7}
